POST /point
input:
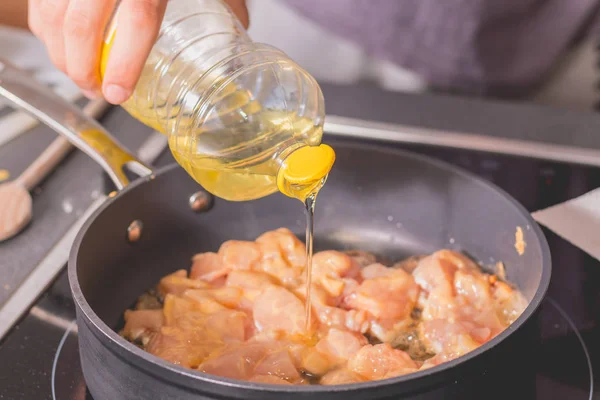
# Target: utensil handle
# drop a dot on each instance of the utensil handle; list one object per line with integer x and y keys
{"x": 25, "y": 93}
{"x": 57, "y": 150}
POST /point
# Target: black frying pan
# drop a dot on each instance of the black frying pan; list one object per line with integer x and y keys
{"x": 390, "y": 202}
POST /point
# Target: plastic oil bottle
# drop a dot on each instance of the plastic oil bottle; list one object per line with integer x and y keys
{"x": 241, "y": 117}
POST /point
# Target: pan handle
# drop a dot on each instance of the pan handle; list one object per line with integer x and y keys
{"x": 26, "y": 93}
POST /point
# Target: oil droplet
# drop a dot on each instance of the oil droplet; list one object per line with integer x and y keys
{"x": 390, "y": 218}
{"x": 398, "y": 225}
{"x": 451, "y": 240}
{"x": 4, "y": 175}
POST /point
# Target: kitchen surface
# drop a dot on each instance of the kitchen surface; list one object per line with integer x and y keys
{"x": 540, "y": 155}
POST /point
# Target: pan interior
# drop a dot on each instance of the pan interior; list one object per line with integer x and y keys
{"x": 391, "y": 203}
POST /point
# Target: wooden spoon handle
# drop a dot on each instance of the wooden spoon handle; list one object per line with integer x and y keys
{"x": 57, "y": 151}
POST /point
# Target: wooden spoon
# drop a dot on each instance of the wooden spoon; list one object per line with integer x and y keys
{"x": 15, "y": 199}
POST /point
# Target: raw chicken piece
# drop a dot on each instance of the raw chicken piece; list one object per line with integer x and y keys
{"x": 182, "y": 347}
{"x": 332, "y": 272}
{"x": 278, "y": 268}
{"x": 435, "y": 276}
{"x": 178, "y": 282}
{"x": 300, "y": 348}
{"x": 350, "y": 286}
{"x": 389, "y": 296}
{"x": 362, "y": 258}
{"x": 251, "y": 360}
{"x": 229, "y": 297}
{"x": 459, "y": 260}
{"x": 329, "y": 315}
{"x": 235, "y": 361}
{"x": 340, "y": 376}
{"x": 458, "y": 292}
{"x": 314, "y": 362}
{"x": 283, "y": 256}
{"x": 251, "y": 283}
{"x": 278, "y": 363}
{"x": 434, "y": 273}
{"x": 352, "y": 320}
{"x": 380, "y": 362}
{"x": 334, "y": 264}
{"x": 218, "y": 323}
{"x": 229, "y": 326}
{"x": 437, "y": 270}
{"x": 283, "y": 244}
{"x": 509, "y": 303}
{"x": 375, "y": 271}
{"x": 177, "y": 310}
{"x": 333, "y": 286}
{"x": 203, "y": 300}
{"x": 140, "y": 324}
{"x": 278, "y": 309}
{"x": 474, "y": 287}
{"x": 239, "y": 255}
{"x": 385, "y": 330}
{"x": 437, "y": 360}
{"x": 249, "y": 280}
{"x": 441, "y": 336}
{"x": 450, "y": 340}
{"x": 207, "y": 267}
{"x": 340, "y": 345}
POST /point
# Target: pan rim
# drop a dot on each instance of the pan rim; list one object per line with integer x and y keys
{"x": 147, "y": 361}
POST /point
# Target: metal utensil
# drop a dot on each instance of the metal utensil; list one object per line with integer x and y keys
{"x": 15, "y": 198}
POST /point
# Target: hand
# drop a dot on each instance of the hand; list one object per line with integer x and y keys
{"x": 73, "y": 30}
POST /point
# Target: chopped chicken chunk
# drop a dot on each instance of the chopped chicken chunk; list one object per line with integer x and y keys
{"x": 241, "y": 313}
{"x": 380, "y": 362}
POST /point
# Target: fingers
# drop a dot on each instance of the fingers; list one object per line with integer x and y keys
{"x": 138, "y": 24}
{"x": 240, "y": 10}
{"x": 73, "y": 30}
{"x": 50, "y": 15}
{"x": 83, "y": 31}
{"x": 33, "y": 17}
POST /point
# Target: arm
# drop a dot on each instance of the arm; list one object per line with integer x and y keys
{"x": 13, "y": 13}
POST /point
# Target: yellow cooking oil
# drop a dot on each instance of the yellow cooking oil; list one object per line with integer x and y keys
{"x": 301, "y": 176}
{"x": 243, "y": 151}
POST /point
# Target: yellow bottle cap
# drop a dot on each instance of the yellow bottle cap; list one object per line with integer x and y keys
{"x": 305, "y": 166}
